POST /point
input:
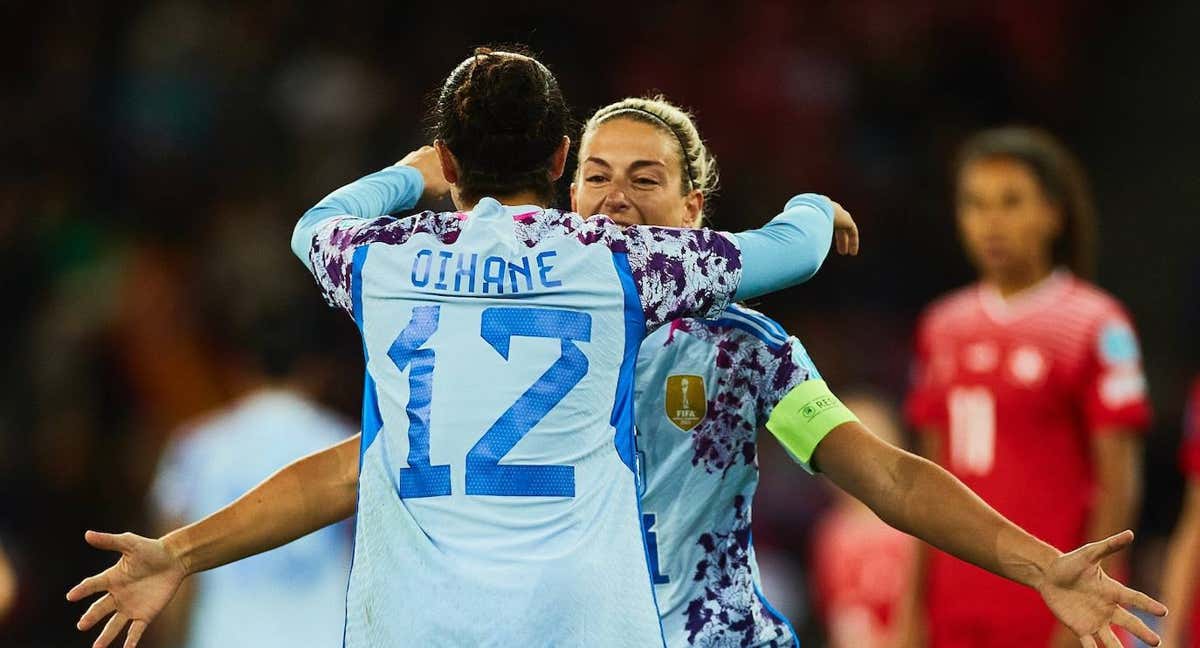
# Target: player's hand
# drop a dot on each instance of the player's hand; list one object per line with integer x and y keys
{"x": 425, "y": 160}
{"x": 135, "y": 589}
{"x": 845, "y": 232}
{"x": 1089, "y": 602}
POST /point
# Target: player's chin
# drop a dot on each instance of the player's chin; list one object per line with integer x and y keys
{"x": 993, "y": 261}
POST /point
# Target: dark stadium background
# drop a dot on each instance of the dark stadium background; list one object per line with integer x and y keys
{"x": 155, "y": 156}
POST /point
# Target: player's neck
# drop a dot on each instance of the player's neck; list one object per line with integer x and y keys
{"x": 511, "y": 200}
{"x": 1013, "y": 283}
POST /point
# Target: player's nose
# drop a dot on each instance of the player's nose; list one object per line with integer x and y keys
{"x": 615, "y": 202}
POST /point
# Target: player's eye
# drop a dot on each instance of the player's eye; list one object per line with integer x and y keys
{"x": 646, "y": 182}
{"x": 595, "y": 179}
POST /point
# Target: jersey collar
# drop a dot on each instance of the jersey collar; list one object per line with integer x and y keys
{"x": 1030, "y": 300}
{"x": 490, "y": 208}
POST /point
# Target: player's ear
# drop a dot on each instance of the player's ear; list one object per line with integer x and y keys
{"x": 574, "y": 203}
{"x": 449, "y": 164}
{"x": 559, "y": 162}
{"x": 693, "y": 208}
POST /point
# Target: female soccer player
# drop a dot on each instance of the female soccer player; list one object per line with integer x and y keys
{"x": 705, "y": 387}
{"x": 1182, "y": 570}
{"x": 497, "y": 501}
{"x": 1029, "y": 385}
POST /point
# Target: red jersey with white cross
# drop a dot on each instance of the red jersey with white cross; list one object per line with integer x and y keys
{"x": 1016, "y": 389}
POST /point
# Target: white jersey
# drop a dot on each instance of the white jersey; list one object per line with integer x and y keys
{"x": 497, "y": 494}
{"x": 293, "y": 595}
{"x": 704, "y": 389}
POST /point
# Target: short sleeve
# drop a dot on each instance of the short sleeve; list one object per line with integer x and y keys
{"x": 331, "y": 251}
{"x": 1189, "y": 455}
{"x": 780, "y": 369}
{"x": 331, "y": 255}
{"x": 327, "y": 235}
{"x": 681, "y": 272}
{"x": 925, "y": 405}
{"x": 1114, "y": 383}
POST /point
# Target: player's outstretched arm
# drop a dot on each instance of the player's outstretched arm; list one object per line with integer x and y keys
{"x": 920, "y": 498}
{"x": 306, "y": 495}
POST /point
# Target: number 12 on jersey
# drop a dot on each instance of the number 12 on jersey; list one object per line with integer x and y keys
{"x": 484, "y": 473}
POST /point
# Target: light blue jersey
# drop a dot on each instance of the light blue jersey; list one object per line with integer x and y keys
{"x": 704, "y": 389}
{"x": 498, "y": 503}
{"x": 290, "y": 596}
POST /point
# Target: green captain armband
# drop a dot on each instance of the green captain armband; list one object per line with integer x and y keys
{"x": 804, "y": 416}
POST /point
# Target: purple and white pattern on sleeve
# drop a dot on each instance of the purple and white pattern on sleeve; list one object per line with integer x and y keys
{"x": 678, "y": 272}
{"x": 333, "y": 245}
{"x": 752, "y": 376}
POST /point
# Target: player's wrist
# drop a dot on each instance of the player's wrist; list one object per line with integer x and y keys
{"x": 1030, "y": 561}
{"x": 179, "y": 551}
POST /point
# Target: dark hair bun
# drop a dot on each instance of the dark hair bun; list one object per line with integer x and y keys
{"x": 503, "y": 116}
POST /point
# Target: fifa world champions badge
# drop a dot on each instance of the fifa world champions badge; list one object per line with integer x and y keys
{"x": 686, "y": 401}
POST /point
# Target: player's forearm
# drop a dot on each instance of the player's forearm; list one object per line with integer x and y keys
{"x": 307, "y": 495}
{"x": 789, "y": 249}
{"x": 393, "y": 189}
{"x": 1181, "y": 572}
{"x": 920, "y": 498}
{"x": 936, "y": 507}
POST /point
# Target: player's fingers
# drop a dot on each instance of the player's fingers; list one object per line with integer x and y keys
{"x": 1097, "y": 551}
{"x": 107, "y": 541}
{"x": 1135, "y": 625}
{"x": 839, "y": 239}
{"x": 111, "y": 630}
{"x": 1108, "y": 639}
{"x": 89, "y": 586}
{"x": 854, "y": 237}
{"x": 1088, "y": 642}
{"x": 1132, "y": 598}
{"x": 135, "y": 634}
{"x": 103, "y": 607}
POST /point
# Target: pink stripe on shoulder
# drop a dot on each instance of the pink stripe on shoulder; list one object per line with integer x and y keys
{"x": 675, "y": 325}
{"x": 527, "y": 217}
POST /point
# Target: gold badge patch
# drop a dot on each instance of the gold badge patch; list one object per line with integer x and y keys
{"x": 686, "y": 401}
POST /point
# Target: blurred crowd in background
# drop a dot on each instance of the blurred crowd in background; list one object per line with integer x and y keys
{"x": 156, "y": 156}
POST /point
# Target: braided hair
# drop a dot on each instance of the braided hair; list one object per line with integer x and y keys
{"x": 503, "y": 117}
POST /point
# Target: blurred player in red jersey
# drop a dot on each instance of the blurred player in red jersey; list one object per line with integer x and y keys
{"x": 1182, "y": 572}
{"x": 1028, "y": 386}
